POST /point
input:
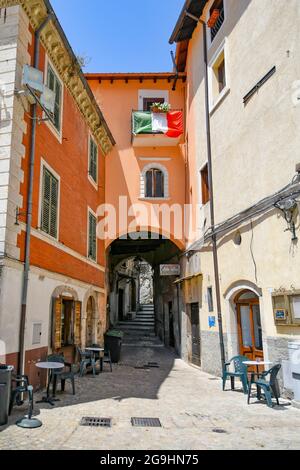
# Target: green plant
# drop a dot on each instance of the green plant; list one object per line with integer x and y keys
{"x": 160, "y": 107}
{"x": 115, "y": 333}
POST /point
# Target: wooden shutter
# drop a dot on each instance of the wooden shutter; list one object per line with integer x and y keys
{"x": 159, "y": 183}
{"x": 92, "y": 237}
{"x": 149, "y": 183}
{"x": 93, "y": 166}
{"x": 205, "y": 185}
{"x": 77, "y": 323}
{"x": 49, "y": 204}
{"x": 56, "y": 328}
{"x": 54, "y": 84}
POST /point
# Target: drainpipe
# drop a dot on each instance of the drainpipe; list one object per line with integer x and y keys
{"x": 212, "y": 204}
{"x": 21, "y": 365}
{"x": 211, "y": 192}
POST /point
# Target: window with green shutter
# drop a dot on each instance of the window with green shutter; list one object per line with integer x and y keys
{"x": 93, "y": 160}
{"x": 92, "y": 249}
{"x": 54, "y": 84}
{"x": 49, "y": 215}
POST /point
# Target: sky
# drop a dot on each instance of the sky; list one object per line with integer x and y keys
{"x": 120, "y": 35}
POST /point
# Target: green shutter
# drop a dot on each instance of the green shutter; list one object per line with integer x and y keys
{"x": 49, "y": 214}
{"x": 93, "y": 160}
{"x": 92, "y": 252}
{"x": 54, "y": 84}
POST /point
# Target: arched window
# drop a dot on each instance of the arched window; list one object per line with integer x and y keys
{"x": 154, "y": 182}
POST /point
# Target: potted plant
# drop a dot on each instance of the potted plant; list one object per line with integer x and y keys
{"x": 113, "y": 342}
{"x": 160, "y": 108}
{"x": 213, "y": 18}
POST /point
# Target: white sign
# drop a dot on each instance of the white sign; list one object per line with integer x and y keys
{"x": 48, "y": 99}
{"x": 33, "y": 78}
{"x": 169, "y": 269}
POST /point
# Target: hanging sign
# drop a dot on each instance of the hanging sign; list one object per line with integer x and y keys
{"x": 169, "y": 269}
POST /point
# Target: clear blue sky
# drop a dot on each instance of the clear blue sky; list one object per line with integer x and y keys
{"x": 120, "y": 35}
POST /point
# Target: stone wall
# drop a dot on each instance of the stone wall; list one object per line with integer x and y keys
{"x": 146, "y": 284}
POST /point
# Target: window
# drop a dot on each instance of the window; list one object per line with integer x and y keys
{"x": 92, "y": 237}
{"x": 219, "y": 75}
{"x": 147, "y": 97}
{"x": 49, "y": 214}
{"x": 54, "y": 84}
{"x": 93, "y": 160}
{"x": 154, "y": 182}
{"x": 147, "y": 102}
{"x": 216, "y": 18}
{"x": 205, "y": 185}
{"x": 210, "y": 299}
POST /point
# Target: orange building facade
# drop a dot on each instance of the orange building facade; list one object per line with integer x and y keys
{"x": 65, "y": 299}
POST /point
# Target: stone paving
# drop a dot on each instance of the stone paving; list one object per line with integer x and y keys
{"x": 189, "y": 403}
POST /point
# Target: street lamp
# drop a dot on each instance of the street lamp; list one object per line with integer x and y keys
{"x": 287, "y": 206}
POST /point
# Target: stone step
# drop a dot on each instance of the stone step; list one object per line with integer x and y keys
{"x": 136, "y": 327}
{"x": 145, "y": 315}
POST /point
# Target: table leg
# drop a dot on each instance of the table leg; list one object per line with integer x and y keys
{"x": 47, "y": 398}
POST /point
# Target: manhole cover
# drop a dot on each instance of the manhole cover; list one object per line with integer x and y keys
{"x": 146, "y": 422}
{"x": 219, "y": 431}
{"x": 96, "y": 422}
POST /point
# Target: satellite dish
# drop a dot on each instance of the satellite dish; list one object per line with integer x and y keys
{"x": 48, "y": 99}
{"x": 33, "y": 78}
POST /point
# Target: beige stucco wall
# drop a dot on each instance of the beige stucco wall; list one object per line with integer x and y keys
{"x": 254, "y": 149}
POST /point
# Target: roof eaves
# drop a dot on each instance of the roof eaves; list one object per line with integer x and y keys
{"x": 195, "y": 8}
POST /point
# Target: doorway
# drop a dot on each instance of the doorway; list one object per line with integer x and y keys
{"x": 195, "y": 324}
{"x": 249, "y": 325}
{"x": 90, "y": 315}
{"x": 121, "y": 305}
{"x": 171, "y": 326}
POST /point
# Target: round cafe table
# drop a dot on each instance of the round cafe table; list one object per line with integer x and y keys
{"x": 50, "y": 366}
{"x": 95, "y": 350}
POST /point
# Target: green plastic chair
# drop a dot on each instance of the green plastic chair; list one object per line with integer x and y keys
{"x": 240, "y": 371}
{"x": 270, "y": 388}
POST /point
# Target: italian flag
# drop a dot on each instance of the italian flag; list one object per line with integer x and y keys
{"x": 170, "y": 124}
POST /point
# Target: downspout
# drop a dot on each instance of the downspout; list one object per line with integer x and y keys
{"x": 212, "y": 204}
{"x": 211, "y": 193}
{"x": 21, "y": 364}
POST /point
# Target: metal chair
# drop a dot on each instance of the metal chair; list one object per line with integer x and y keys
{"x": 240, "y": 371}
{"x": 269, "y": 388}
{"x": 62, "y": 374}
{"x": 106, "y": 358}
{"x": 22, "y": 386}
{"x": 86, "y": 360}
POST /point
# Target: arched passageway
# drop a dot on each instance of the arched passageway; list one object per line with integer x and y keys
{"x": 142, "y": 302}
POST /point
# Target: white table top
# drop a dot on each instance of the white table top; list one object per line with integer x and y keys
{"x": 257, "y": 363}
{"x": 94, "y": 349}
{"x": 50, "y": 365}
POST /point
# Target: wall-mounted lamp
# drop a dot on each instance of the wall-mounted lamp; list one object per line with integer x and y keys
{"x": 19, "y": 214}
{"x": 287, "y": 206}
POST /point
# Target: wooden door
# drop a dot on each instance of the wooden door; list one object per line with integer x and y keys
{"x": 195, "y": 323}
{"x": 249, "y": 326}
{"x": 121, "y": 305}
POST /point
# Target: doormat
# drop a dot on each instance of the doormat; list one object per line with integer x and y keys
{"x": 146, "y": 422}
{"x": 96, "y": 422}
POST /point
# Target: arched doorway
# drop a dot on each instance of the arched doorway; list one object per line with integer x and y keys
{"x": 90, "y": 320}
{"x": 249, "y": 325}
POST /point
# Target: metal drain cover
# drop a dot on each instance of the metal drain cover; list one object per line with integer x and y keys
{"x": 96, "y": 422}
{"x": 146, "y": 422}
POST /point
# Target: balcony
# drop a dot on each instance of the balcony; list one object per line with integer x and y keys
{"x": 157, "y": 129}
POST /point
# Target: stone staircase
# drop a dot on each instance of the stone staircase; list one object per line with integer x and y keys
{"x": 140, "y": 331}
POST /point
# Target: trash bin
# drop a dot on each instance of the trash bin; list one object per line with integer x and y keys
{"x": 5, "y": 391}
{"x": 294, "y": 355}
{"x": 113, "y": 342}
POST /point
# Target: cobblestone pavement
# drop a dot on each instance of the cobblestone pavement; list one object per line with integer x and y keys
{"x": 194, "y": 412}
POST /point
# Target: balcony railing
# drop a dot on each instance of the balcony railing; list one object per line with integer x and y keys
{"x": 218, "y": 24}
